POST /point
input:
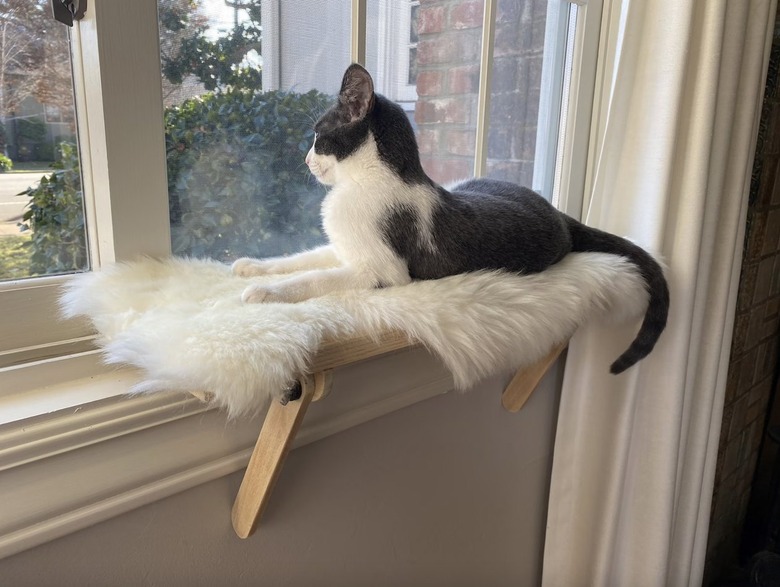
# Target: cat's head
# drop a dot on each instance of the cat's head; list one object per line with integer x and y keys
{"x": 360, "y": 115}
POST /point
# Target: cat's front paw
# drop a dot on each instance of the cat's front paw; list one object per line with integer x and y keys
{"x": 256, "y": 294}
{"x": 249, "y": 267}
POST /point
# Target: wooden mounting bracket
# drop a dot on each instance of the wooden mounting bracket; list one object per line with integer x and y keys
{"x": 283, "y": 420}
{"x": 525, "y": 380}
{"x": 276, "y": 437}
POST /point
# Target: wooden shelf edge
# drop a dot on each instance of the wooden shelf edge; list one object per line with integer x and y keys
{"x": 337, "y": 353}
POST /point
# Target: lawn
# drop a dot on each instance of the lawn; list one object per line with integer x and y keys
{"x": 14, "y": 257}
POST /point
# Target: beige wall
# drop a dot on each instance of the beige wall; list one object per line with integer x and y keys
{"x": 451, "y": 491}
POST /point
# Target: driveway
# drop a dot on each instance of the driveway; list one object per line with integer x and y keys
{"x": 11, "y": 205}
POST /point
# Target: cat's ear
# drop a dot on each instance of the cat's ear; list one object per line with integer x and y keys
{"x": 357, "y": 92}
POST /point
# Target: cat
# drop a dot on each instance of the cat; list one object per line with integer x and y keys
{"x": 388, "y": 223}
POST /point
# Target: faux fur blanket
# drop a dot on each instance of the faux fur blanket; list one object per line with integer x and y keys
{"x": 183, "y": 324}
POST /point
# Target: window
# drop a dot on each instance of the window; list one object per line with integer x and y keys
{"x": 38, "y": 133}
{"x": 238, "y": 121}
{"x": 391, "y": 49}
{"x": 242, "y": 82}
{"x": 201, "y": 153}
{"x": 43, "y": 230}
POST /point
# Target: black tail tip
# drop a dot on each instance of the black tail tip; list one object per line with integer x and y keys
{"x": 620, "y": 365}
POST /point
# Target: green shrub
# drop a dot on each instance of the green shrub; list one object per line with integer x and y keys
{"x": 45, "y": 151}
{"x": 237, "y": 181}
{"x": 31, "y": 129}
{"x": 55, "y": 215}
{"x": 238, "y": 184}
{"x": 5, "y": 164}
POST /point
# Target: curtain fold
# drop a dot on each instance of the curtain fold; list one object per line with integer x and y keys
{"x": 635, "y": 454}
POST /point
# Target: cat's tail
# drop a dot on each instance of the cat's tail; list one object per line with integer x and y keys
{"x": 587, "y": 239}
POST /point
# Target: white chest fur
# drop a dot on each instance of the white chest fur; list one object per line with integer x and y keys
{"x": 352, "y": 221}
{"x": 364, "y": 193}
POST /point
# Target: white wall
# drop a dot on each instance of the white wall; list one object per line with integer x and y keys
{"x": 451, "y": 491}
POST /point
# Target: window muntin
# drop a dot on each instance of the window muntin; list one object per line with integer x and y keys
{"x": 414, "y": 37}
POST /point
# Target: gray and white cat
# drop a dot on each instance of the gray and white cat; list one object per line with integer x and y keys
{"x": 388, "y": 223}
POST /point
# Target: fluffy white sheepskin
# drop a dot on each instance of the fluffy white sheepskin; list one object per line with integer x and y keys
{"x": 183, "y": 324}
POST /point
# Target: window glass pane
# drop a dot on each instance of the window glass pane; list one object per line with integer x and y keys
{"x": 526, "y": 88}
{"x": 563, "y": 120}
{"x": 42, "y": 230}
{"x": 244, "y": 81}
{"x": 426, "y": 57}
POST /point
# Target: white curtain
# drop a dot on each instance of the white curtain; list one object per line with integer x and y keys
{"x": 635, "y": 454}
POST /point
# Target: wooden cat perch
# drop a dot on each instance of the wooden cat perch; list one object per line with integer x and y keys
{"x": 185, "y": 310}
{"x": 282, "y": 421}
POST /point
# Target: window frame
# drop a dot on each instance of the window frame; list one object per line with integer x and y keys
{"x": 586, "y": 103}
{"x": 129, "y": 213}
{"x": 125, "y": 214}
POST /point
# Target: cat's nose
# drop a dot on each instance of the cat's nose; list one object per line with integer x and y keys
{"x": 308, "y": 159}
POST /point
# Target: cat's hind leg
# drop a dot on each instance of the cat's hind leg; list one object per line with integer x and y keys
{"x": 320, "y": 258}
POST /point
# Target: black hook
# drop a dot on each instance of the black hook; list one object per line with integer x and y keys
{"x": 66, "y": 11}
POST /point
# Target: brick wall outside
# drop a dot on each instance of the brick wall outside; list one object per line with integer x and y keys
{"x": 754, "y": 351}
{"x": 448, "y": 51}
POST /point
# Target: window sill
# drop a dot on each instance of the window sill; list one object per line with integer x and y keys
{"x": 98, "y": 453}
{"x": 52, "y": 385}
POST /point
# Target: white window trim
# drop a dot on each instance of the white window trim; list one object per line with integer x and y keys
{"x": 71, "y": 468}
{"x": 550, "y": 111}
{"x": 121, "y": 118}
{"x": 585, "y": 103}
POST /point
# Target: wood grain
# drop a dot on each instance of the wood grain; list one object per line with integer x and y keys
{"x": 337, "y": 353}
{"x": 525, "y": 380}
{"x": 273, "y": 444}
{"x": 323, "y": 383}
